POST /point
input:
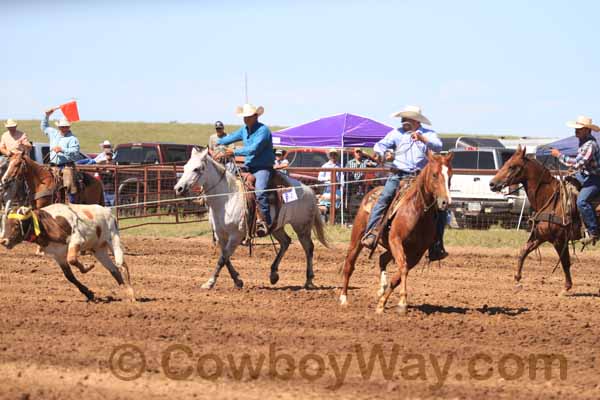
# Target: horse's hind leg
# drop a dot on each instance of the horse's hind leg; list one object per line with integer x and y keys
{"x": 530, "y": 246}
{"x": 284, "y": 242}
{"x": 562, "y": 248}
{"x": 309, "y": 248}
{"x": 384, "y": 260}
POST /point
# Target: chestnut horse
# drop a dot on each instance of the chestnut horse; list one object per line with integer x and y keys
{"x": 553, "y": 221}
{"x": 412, "y": 230}
{"x": 42, "y": 184}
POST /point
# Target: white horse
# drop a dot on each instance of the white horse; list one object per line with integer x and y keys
{"x": 227, "y": 212}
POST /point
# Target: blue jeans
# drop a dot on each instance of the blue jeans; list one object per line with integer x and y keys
{"x": 590, "y": 186}
{"x": 386, "y": 197}
{"x": 262, "y": 198}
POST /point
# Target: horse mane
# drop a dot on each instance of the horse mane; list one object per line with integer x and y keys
{"x": 221, "y": 169}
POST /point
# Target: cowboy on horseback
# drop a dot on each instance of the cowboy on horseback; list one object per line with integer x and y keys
{"x": 410, "y": 144}
{"x": 64, "y": 151}
{"x": 587, "y": 167}
{"x": 13, "y": 140}
{"x": 259, "y": 158}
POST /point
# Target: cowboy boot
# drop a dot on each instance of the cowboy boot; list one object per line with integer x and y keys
{"x": 590, "y": 238}
{"x": 437, "y": 251}
{"x": 370, "y": 239}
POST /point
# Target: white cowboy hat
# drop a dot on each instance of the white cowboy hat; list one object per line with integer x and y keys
{"x": 332, "y": 151}
{"x": 583, "y": 122}
{"x": 10, "y": 123}
{"x": 63, "y": 123}
{"x": 248, "y": 110}
{"x": 106, "y": 143}
{"x": 412, "y": 112}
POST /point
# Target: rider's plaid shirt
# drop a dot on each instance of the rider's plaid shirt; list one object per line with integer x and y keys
{"x": 587, "y": 159}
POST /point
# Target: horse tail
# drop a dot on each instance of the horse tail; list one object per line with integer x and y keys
{"x": 319, "y": 227}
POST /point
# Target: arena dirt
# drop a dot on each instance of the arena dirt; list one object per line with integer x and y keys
{"x": 469, "y": 332}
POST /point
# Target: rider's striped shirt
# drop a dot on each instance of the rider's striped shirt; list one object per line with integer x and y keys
{"x": 587, "y": 158}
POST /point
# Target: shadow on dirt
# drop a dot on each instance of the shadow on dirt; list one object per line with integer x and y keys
{"x": 435, "y": 309}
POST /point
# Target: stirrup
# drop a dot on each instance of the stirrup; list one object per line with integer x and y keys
{"x": 262, "y": 229}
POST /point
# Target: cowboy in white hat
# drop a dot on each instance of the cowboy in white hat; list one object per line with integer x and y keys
{"x": 107, "y": 151}
{"x": 64, "y": 150}
{"x": 587, "y": 165}
{"x": 333, "y": 157}
{"x": 409, "y": 144}
{"x": 259, "y": 158}
{"x": 13, "y": 140}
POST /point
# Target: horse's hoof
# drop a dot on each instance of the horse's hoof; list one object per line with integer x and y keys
{"x": 309, "y": 286}
{"x": 379, "y": 310}
{"x": 274, "y": 278}
{"x": 402, "y": 309}
{"x": 90, "y": 297}
{"x": 207, "y": 285}
{"x": 564, "y": 293}
{"x": 239, "y": 284}
{"x": 380, "y": 292}
{"x": 343, "y": 300}
{"x": 518, "y": 287}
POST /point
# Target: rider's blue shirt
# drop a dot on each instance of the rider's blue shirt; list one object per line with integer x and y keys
{"x": 68, "y": 143}
{"x": 409, "y": 155}
{"x": 258, "y": 146}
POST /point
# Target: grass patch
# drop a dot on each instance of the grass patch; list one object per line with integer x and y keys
{"x": 92, "y": 133}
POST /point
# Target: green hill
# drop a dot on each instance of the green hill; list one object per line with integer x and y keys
{"x": 92, "y": 133}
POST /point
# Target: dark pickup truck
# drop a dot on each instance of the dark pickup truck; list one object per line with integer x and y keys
{"x": 152, "y": 153}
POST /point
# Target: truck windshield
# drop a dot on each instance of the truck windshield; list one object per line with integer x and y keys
{"x": 137, "y": 155}
{"x": 176, "y": 154}
{"x": 473, "y": 160}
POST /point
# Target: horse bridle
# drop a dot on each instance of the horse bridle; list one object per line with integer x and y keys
{"x": 205, "y": 190}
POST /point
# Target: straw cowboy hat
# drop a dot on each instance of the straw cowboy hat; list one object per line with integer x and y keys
{"x": 63, "y": 123}
{"x": 333, "y": 151}
{"x": 248, "y": 110}
{"x": 10, "y": 123}
{"x": 412, "y": 112}
{"x": 583, "y": 122}
{"x": 106, "y": 143}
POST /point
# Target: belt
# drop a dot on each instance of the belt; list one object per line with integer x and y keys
{"x": 402, "y": 172}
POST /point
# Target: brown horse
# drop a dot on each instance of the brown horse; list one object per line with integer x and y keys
{"x": 412, "y": 230}
{"x": 43, "y": 186}
{"x": 555, "y": 220}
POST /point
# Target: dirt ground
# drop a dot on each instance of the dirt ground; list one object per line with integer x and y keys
{"x": 469, "y": 332}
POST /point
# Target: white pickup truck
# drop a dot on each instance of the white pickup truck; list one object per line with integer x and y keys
{"x": 474, "y": 205}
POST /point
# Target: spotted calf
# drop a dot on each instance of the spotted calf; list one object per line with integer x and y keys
{"x": 64, "y": 232}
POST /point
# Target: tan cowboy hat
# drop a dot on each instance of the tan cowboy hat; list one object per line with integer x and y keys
{"x": 583, "y": 122}
{"x": 63, "y": 123}
{"x": 10, "y": 123}
{"x": 412, "y": 112}
{"x": 248, "y": 110}
{"x": 332, "y": 151}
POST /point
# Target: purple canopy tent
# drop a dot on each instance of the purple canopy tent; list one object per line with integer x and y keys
{"x": 342, "y": 130}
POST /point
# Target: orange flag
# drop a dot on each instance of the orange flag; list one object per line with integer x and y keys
{"x": 70, "y": 111}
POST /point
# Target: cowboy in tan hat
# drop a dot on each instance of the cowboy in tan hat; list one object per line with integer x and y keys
{"x": 259, "y": 158}
{"x": 587, "y": 165}
{"x": 13, "y": 140}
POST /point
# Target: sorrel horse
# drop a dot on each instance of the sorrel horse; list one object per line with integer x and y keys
{"x": 554, "y": 221}
{"x": 43, "y": 185}
{"x": 412, "y": 230}
{"x": 227, "y": 214}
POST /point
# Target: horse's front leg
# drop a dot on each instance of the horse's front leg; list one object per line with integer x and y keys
{"x": 400, "y": 276}
{"x": 233, "y": 242}
{"x": 532, "y": 244}
{"x": 284, "y": 242}
{"x": 223, "y": 258}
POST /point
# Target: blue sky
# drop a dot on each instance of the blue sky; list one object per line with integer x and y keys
{"x": 502, "y": 67}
